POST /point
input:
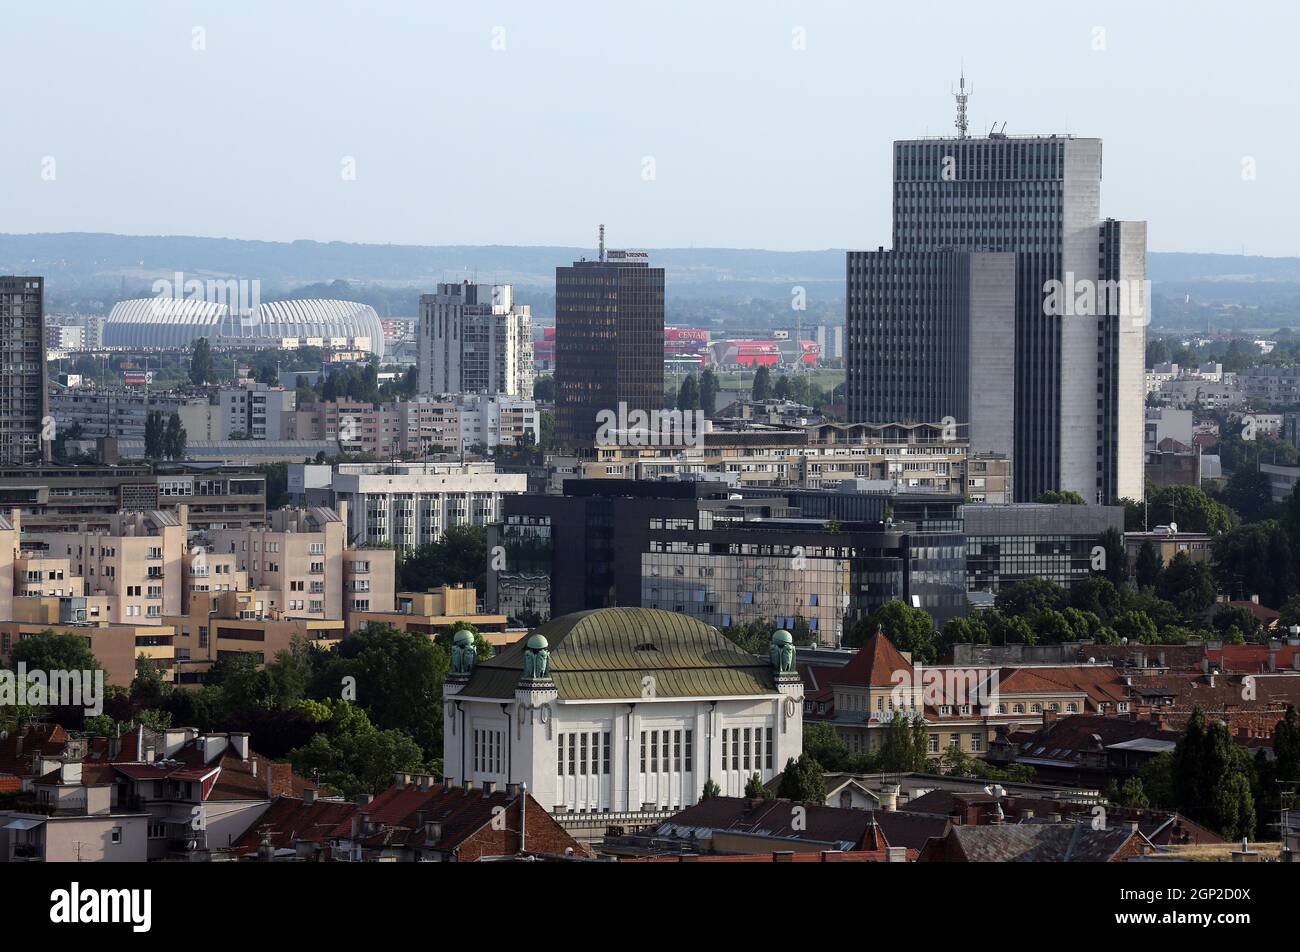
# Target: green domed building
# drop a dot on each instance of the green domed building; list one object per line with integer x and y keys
{"x": 624, "y": 709}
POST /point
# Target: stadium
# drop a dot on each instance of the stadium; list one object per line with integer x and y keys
{"x": 165, "y": 323}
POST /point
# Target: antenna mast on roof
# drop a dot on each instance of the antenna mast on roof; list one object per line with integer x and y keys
{"x": 962, "y": 97}
{"x": 602, "y": 243}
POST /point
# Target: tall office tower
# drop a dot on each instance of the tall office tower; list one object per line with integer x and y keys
{"x": 1009, "y": 304}
{"x": 473, "y": 338}
{"x": 609, "y": 341}
{"x": 22, "y": 371}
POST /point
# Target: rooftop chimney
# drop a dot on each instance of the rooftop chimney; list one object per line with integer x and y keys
{"x": 489, "y": 788}
{"x": 308, "y": 796}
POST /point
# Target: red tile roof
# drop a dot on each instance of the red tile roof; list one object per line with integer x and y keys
{"x": 290, "y": 820}
{"x": 874, "y": 664}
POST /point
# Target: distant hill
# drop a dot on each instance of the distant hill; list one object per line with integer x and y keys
{"x": 91, "y": 271}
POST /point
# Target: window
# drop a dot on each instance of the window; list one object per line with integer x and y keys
{"x": 604, "y": 760}
{"x": 934, "y": 743}
{"x": 115, "y": 836}
{"x": 687, "y": 756}
{"x": 767, "y": 748}
{"x": 488, "y": 751}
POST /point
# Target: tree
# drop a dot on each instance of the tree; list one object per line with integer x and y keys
{"x": 824, "y": 744}
{"x": 1255, "y": 559}
{"x": 754, "y": 788}
{"x": 1234, "y": 806}
{"x": 1030, "y": 595}
{"x": 1190, "y": 508}
{"x": 802, "y": 780}
{"x": 357, "y": 758}
{"x": 1286, "y": 747}
{"x": 155, "y": 435}
{"x": 905, "y": 746}
{"x": 1137, "y": 627}
{"x": 202, "y": 369}
{"x": 1212, "y": 777}
{"x": 459, "y": 556}
{"x": 1066, "y": 497}
{"x": 1097, "y": 595}
{"x": 399, "y": 677}
{"x": 688, "y": 394}
{"x": 762, "y": 384}
{"x": 711, "y": 790}
{"x": 50, "y": 651}
{"x": 1157, "y": 779}
{"x": 1114, "y": 556}
{"x": 174, "y": 438}
{"x": 709, "y": 387}
{"x": 1148, "y": 566}
{"x": 1132, "y": 795}
{"x": 1248, "y": 491}
{"x": 1188, "y": 585}
{"x": 910, "y": 629}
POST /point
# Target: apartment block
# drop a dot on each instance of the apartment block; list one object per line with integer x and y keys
{"x": 254, "y": 411}
{"x": 23, "y": 373}
{"x": 416, "y": 428}
{"x": 474, "y": 338}
{"x": 406, "y": 505}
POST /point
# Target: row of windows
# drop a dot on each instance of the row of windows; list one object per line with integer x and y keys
{"x": 583, "y": 753}
{"x": 750, "y": 748}
{"x": 668, "y": 751}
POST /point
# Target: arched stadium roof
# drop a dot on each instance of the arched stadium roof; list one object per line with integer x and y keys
{"x": 165, "y": 322}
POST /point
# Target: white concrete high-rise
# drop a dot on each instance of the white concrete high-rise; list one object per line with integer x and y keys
{"x": 473, "y": 338}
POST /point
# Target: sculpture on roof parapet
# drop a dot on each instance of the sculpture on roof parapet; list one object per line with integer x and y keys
{"x": 463, "y": 653}
{"x": 781, "y": 652}
{"x": 537, "y": 659}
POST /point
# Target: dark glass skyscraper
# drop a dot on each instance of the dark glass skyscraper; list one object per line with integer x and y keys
{"x": 959, "y": 319}
{"x": 609, "y": 342}
{"x": 23, "y": 398}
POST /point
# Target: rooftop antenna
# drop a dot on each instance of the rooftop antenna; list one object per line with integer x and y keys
{"x": 962, "y": 97}
{"x": 602, "y": 242}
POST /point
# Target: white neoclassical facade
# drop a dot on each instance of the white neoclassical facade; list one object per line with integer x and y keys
{"x": 621, "y": 709}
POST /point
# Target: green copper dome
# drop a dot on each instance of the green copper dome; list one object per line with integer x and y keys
{"x": 782, "y": 637}
{"x": 607, "y": 653}
{"x": 463, "y": 637}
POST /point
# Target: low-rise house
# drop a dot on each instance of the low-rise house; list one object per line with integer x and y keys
{"x": 420, "y": 820}
{"x": 71, "y": 815}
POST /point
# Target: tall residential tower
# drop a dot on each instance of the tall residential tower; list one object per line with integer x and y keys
{"x": 474, "y": 338}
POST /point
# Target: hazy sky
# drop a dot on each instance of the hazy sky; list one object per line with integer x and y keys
{"x": 531, "y": 122}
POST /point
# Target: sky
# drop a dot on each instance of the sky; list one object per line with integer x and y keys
{"x": 710, "y": 124}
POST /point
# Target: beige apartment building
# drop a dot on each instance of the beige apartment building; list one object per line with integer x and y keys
{"x": 131, "y": 574}
{"x": 136, "y": 592}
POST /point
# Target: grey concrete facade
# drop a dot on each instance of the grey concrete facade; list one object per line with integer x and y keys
{"x": 919, "y": 329}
